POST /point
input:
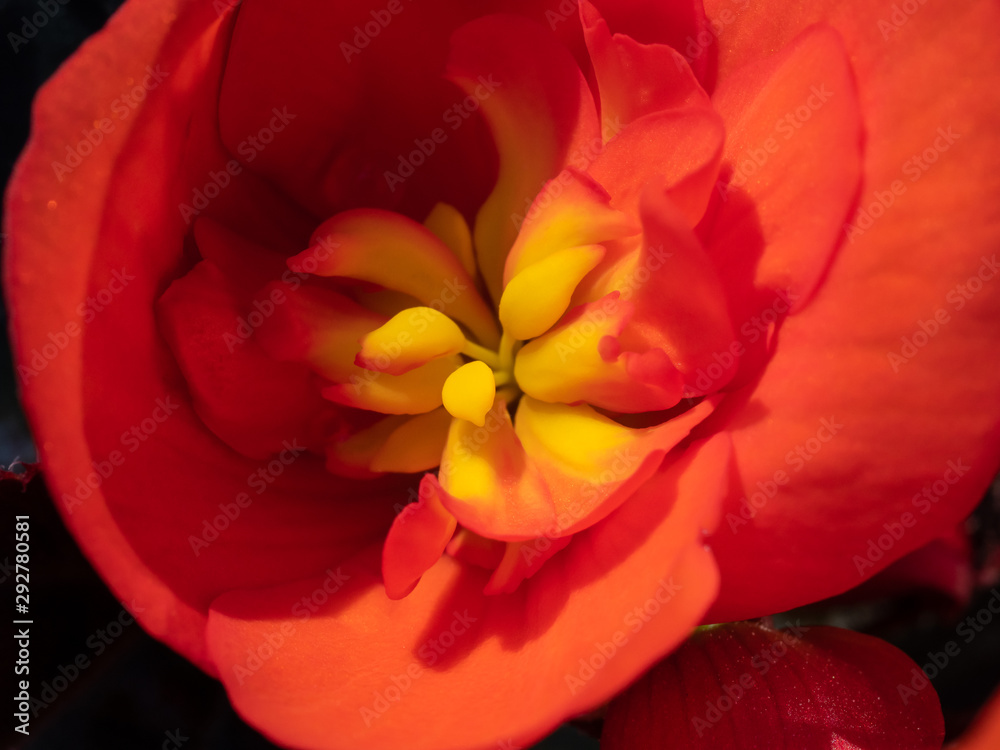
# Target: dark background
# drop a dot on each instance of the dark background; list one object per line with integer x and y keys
{"x": 139, "y": 694}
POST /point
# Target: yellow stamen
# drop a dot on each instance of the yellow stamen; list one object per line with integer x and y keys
{"x": 469, "y": 391}
{"x": 409, "y": 339}
{"x": 508, "y": 348}
{"x": 537, "y": 297}
{"x": 483, "y": 354}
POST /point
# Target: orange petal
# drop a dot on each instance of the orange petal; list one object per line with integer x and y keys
{"x": 904, "y": 419}
{"x": 471, "y": 548}
{"x": 681, "y": 307}
{"x": 401, "y": 444}
{"x": 521, "y": 560}
{"x": 985, "y": 731}
{"x": 571, "y": 211}
{"x": 363, "y": 670}
{"x": 679, "y": 150}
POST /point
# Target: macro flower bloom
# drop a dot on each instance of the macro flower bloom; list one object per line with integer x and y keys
{"x": 426, "y": 374}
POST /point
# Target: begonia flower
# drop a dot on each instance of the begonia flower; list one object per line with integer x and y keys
{"x": 399, "y": 357}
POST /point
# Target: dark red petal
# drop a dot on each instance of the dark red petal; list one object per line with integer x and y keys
{"x": 680, "y": 24}
{"x": 743, "y": 686}
{"x": 942, "y": 566}
{"x": 251, "y": 401}
{"x": 382, "y": 90}
{"x": 246, "y": 265}
{"x": 519, "y": 661}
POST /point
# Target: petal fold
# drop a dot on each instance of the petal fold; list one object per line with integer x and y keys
{"x": 793, "y": 139}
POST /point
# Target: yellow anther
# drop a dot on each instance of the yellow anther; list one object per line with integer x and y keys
{"x": 409, "y": 339}
{"x": 469, "y": 391}
{"x": 537, "y": 297}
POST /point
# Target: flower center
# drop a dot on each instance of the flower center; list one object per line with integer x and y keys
{"x": 469, "y": 392}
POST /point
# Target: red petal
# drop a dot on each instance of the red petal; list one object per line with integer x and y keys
{"x": 636, "y": 79}
{"x": 681, "y": 308}
{"x": 118, "y": 210}
{"x": 793, "y": 139}
{"x": 416, "y": 540}
{"x": 246, "y": 265}
{"x": 248, "y": 399}
{"x": 677, "y": 149}
{"x": 522, "y": 560}
{"x": 901, "y": 425}
{"x": 55, "y": 234}
{"x": 809, "y": 688}
{"x": 520, "y": 665}
{"x": 680, "y": 24}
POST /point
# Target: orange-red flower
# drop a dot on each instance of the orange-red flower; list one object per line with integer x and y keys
{"x": 655, "y": 316}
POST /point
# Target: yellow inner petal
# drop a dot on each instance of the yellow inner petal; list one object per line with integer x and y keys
{"x": 449, "y": 226}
